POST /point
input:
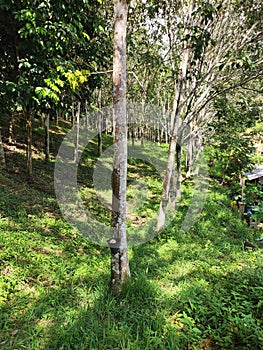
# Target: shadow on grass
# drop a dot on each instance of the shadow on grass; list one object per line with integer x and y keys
{"x": 181, "y": 298}
{"x": 87, "y": 316}
{"x": 127, "y": 321}
{"x": 205, "y": 309}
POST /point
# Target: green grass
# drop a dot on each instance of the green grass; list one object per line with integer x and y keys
{"x": 193, "y": 290}
{"x": 188, "y": 290}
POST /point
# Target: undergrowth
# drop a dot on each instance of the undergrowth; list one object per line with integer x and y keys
{"x": 188, "y": 290}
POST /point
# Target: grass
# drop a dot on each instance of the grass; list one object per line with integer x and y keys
{"x": 189, "y": 290}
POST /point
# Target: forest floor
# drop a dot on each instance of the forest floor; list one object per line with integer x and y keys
{"x": 188, "y": 290}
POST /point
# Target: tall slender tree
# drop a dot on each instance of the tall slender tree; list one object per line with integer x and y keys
{"x": 216, "y": 53}
{"x": 179, "y": 92}
{"x": 119, "y": 256}
{"x": 2, "y": 153}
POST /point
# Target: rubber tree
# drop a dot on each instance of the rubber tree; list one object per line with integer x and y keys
{"x": 120, "y": 270}
{"x": 214, "y": 55}
{"x": 179, "y": 91}
{"x": 2, "y": 153}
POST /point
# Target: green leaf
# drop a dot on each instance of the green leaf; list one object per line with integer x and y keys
{"x": 86, "y": 36}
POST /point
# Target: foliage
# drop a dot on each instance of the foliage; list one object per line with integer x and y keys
{"x": 232, "y": 134}
{"x": 189, "y": 290}
{"x": 63, "y": 34}
{"x": 254, "y": 200}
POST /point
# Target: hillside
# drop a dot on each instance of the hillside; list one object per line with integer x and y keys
{"x": 189, "y": 290}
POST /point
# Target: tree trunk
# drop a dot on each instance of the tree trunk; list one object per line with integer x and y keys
{"x": 11, "y": 134}
{"x": 99, "y": 121}
{"x": 77, "y": 120}
{"x": 142, "y": 122}
{"x": 2, "y": 153}
{"x": 132, "y": 122}
{"x": 189, "y": 156}
{"x": 179, "y": 172}
{"x": 199, "y": 147}
{"x": 166, "y": 185}
{"x": 73, "y": 113}
{"x": 133, "y": 135}
{"x": 87, "y": 114}
{"x": 29, "y": 169}
{"x": 178, "y": 104}
{"x": 57, "y": 118}
{"x": 120, "y": 269}
{"x": 46, "y": 124}
{"x": 172, "y": 191}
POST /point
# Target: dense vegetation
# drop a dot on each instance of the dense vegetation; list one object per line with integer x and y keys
{"x": 194, "y": 85}
{"x": 189, "y": 290}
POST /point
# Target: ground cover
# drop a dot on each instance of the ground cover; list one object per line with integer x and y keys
{"x": 189, "y": 290}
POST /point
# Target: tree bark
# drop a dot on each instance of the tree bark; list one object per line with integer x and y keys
{"x": 142, "y": 122}
{"x": 77, "y": 121}
{"x": 199, "y": 147}
{"x": 172, "y": 190}
{"x": 178, "y": 105}
{"x": 57, "y": 118}
{"x": 99, "y": 122}
{"x": 189, "y": 156}
{"x": 2, "y": 153}
{"x": 87, "y": 114}
{"x": 166, "y": 185}
{"x": 47, "y": 139}
{"x": 120, "y": 269}
{"x": 29, "y": 169}
{"x": 179, "y": 172}
{"x": 133, "y": 122}
{"x": 11, "y": 133}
